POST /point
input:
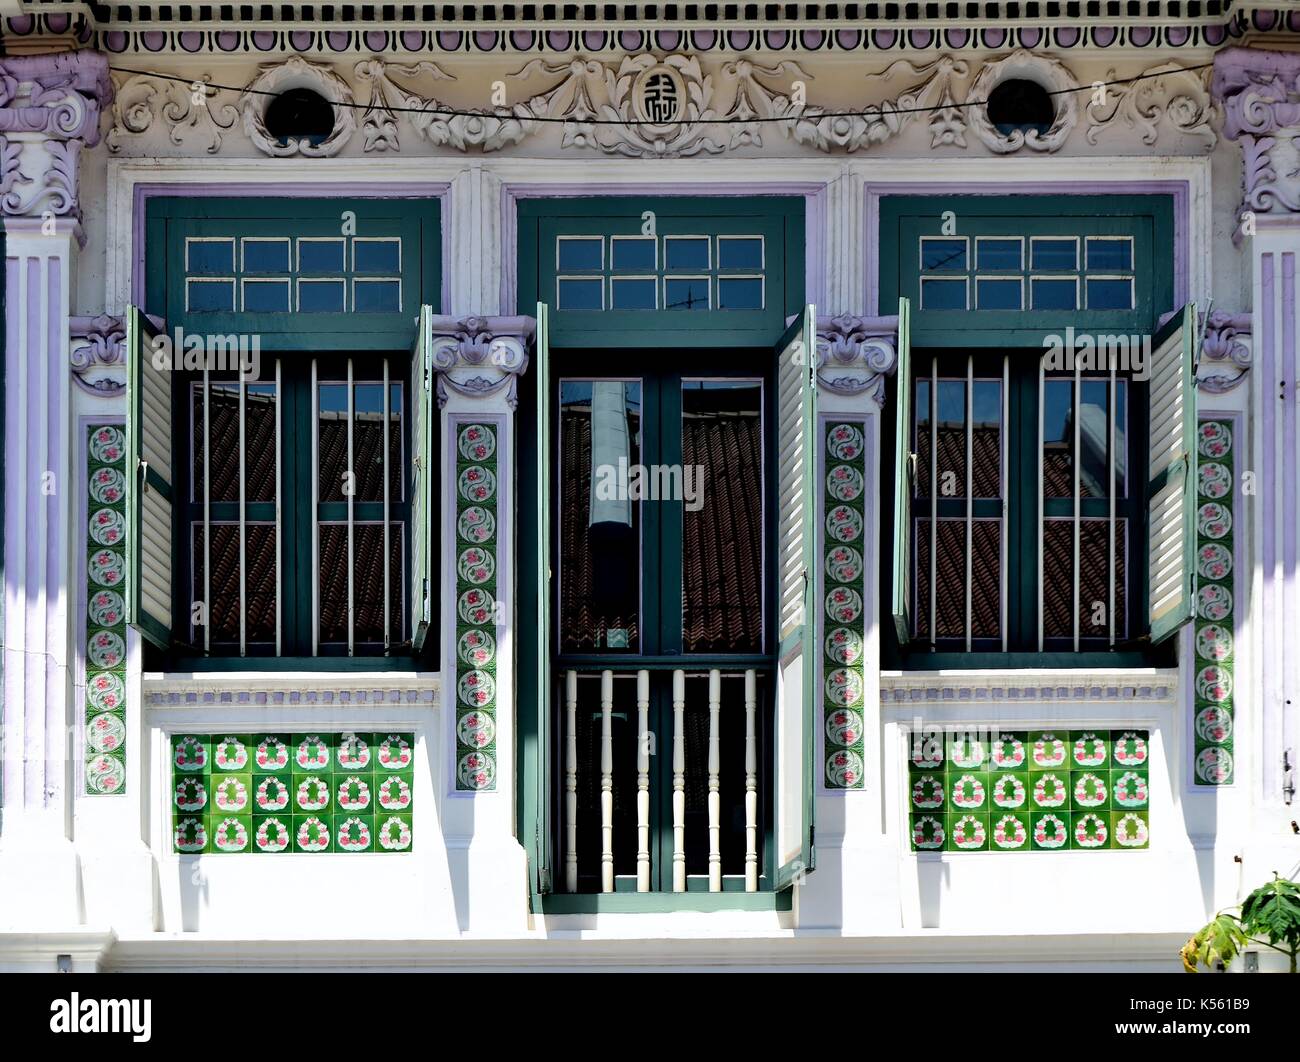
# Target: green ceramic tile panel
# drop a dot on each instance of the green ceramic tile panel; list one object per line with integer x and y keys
{"x": 1212, "y": 709}
{"x": 844, "y": 618}
{"x": 476, "y": 595}
{"x": 984, "y": 790}
{"x": 306, "y": 793}
{"x": 105, "y": 734}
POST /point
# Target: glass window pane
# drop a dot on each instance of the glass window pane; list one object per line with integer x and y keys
{"x": 266, "y": 296}
{"x": 951, "y": 465}
{"x": 686, "y": 293}
{"x": 943, "y": 294}
{"x": 600, "y": 520}
{"x": 740, "y": 293}
{"x": 321, "y": 296}
{"x": 261, "y": 584}
{"x": 998, "y": 294}
{"x": 332, "y": 583}
{"x": 721, "y": 488}
{"x": 1110, "y": 293}
{"x": 1058, "y": 438}
{"x": 265, "y": 256}
{"x": 633, "y": 253}
{"x": 1054, "y": 253}
{"x": 1094, "y": 438}
{"x": 368, "y": 440}
{"x": 396, "y": 444}
{"x": 986, "y": 407}
{"x": 686, "y": 252}
{"x": 376, "y": 296}
{"x": 922, "y": 442}
{"x": 579, "y": 254}
{"x": 368, "y": 581}
{"x": 579, "y": 293}
{"x": 921, "y": 587}
{"x": 320, "y": 256}
{"x": 986, "y": 579}
{"x": 209, "y": 256}
{"x": 259, "y": 442}
{"x": 376, "y": 256}
{"x": 943, "y": 253}
{"x": 1094, "y": 579}
{"x": 1058, "y": 579}
{"x": 633, "y": 293}
{"x": 995, "y": 253}
{"x": 223, "y": 607}
{"x": 210, "y": 296}
{"x": 331, "y": 440}
{"x": 950, "y": 584}
{"x": 1110, "y": 254}
{"x": 223, "y": 460}
{"x": 1053, "y": 294}
{"x": 740, "y": 252}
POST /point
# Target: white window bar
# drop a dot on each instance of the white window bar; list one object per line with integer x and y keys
{"x": 1112, "y": 412}
{"x": 607, "y": 781}
{"x": 351, "y": 484}
{"x": 383, "y": 464}
{"x": 970, "y": 492}
{"x": 279, "y": 532}
{"x": 715, "y": 796}
{"x": 207, "y": 508}
{"x": 751, "y": 783}
{"x": 1002, "y": 486}
{"x": 934, "y": 501}
{"x": 1042, "y": 529}
{"x": 243, "y": 540}
{"x": 643, "y": 781}
{"x": 1077, "y": 406}
{"x": 315, "y": 512}
{"x": 571, "y": 781}
{"x": 679, "y": 781}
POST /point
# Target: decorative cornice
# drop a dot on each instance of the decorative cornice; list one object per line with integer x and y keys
{"x": 201, "y": 691}
{"x": 855, "y": 354}
{"x": 1225, "y": 353}
{"x": 1024, "y": 687}
{"x": 478, "y": 357}
{"x": 98, "y": 354}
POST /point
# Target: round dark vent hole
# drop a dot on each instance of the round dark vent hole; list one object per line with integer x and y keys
{"x": 1017, "y": 104}
{"x": 300, "y": 114}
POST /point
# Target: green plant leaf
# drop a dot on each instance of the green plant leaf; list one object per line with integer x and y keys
{"x": 1218, "y": 941}
{"x": 1273, "y": 912}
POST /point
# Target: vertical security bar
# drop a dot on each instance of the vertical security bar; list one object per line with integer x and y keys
{"x": 970, "y": 491}
{"x": 315, "y": 512}
{"x": 934, "y": 501}
{"x": 383, "y": 464}
{"x": 1111, "y": 411}
{"x": 1042, "y": 529}
{"x": 351, "y": 483}
{"x": 1003, "y": 476}
{"x": 279, "y": 518}
{"x": 243, "y": 532}
{"x": 207, "y": 508}
{"x": 1077, "y": 407}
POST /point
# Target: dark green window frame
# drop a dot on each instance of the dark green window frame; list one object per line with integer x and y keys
{"x": 169, "y": 220}
{"x": 950, "y": 335}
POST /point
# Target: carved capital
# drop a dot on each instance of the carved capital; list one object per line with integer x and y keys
{"x": 1225, "y": 353}
{"x": 49, "y": 108}
{"x": 478, "y": 357}
{"x": 855, "y": 354}
{"x": 97, "y": 354}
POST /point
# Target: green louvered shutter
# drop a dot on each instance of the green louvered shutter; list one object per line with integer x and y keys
{"x": 796, "y": 515}
{"x": 904, "y": 487}
{"x": 421, "y": 491}
{"x": 150, "y": 501}
{"x": 1171, "y": 493}
{"x": 541, "y": 846}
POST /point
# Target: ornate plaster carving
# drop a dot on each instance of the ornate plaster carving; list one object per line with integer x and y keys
{"x": 98, "y": 354}
{"x": 49, "y": 107}
{"x": 1225, "y": 352}
{"x": 296, "y": 72}
{"x": 855, "y": 354}
{"x": 142, "y": 100}
{"x": 1168, "y": 95}
{"x": 1052, "y": 75}
{"x": 478, "y": 357}
{"x": 1260, "y": 94}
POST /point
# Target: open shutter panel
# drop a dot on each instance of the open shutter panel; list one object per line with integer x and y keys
{"x": 421, "y": 494}
{"x": 541, "y": 846}
{"x": 1171, "y": 495}
{"x": 904, "y": 487}
{"x": 149, "y": 502}
{"x": 796, "y": 515}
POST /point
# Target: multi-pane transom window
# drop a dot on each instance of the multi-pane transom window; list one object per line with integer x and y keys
{"x": 680, "y": 272}
{"x": 1045, "y": 273}
{"x": 301, "y": 274}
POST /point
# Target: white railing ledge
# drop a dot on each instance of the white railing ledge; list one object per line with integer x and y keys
{"x": 355, "y": 689}
{"x": 1029, "y": 684}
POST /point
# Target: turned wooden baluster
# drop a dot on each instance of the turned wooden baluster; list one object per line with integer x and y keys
{"x": 607, "y": 781}
{"x": 751, "y": 785}
{"x": 679, "y": 781}
{"x": 715, "y": 796}
{"x": 643, "y": 781}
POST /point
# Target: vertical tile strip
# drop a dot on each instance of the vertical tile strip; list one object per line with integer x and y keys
{"x": 477, "y": 493}
{"x": 1215, "y": 634}
{"x": 105, "y": 711}
{"x": 843, "y": 573}
{"x": 305, "y": 793}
